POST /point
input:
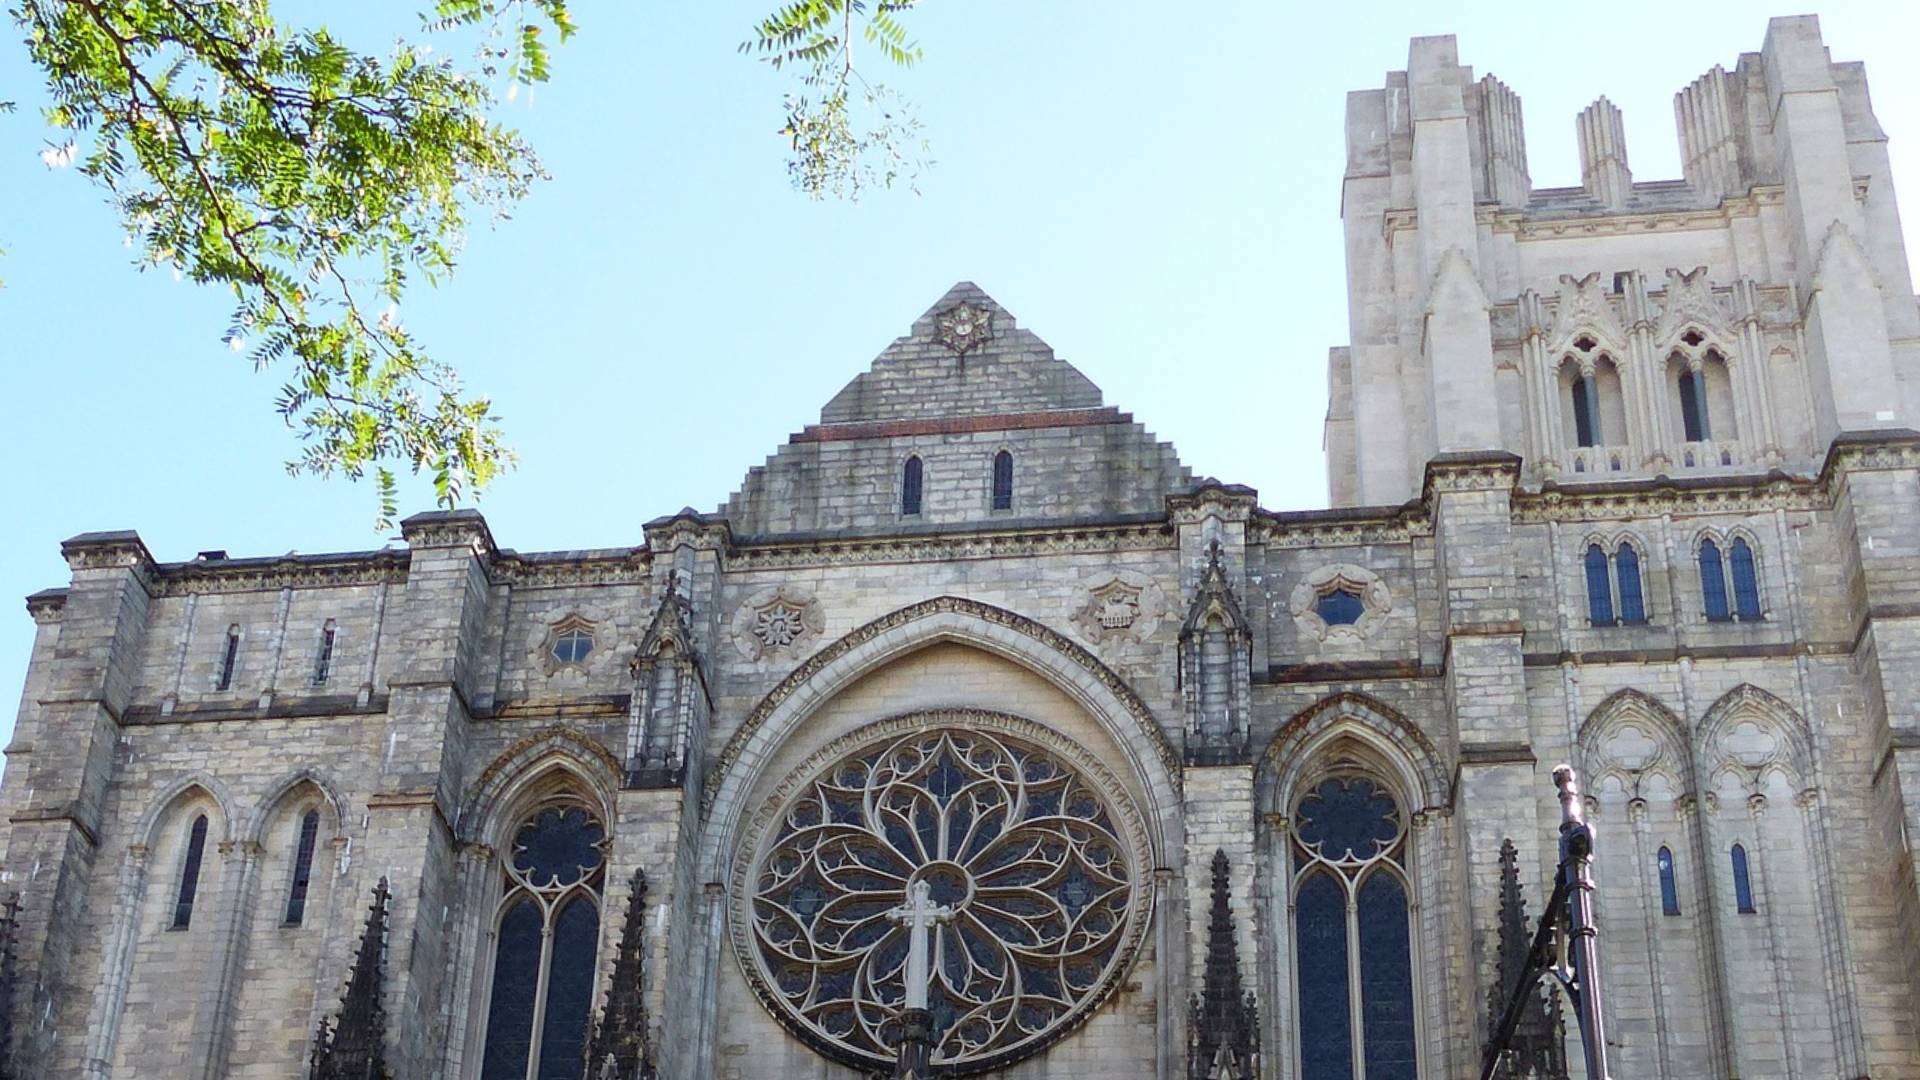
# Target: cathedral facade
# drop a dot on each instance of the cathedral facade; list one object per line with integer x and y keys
{"x": 973, "y": 691}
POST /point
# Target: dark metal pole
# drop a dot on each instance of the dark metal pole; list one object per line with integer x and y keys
{"x": 1583, "y": 948}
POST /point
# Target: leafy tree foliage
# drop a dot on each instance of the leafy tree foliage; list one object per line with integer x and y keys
{"x": 315, "y": 183}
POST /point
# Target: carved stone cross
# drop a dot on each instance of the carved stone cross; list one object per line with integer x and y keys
{"x": 919, "y": 915}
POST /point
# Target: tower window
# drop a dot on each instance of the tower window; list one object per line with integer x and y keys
{"x": 1742, "y": 883}
{"x": 190, "y": 874}
{"x": 228, "y": 657}
{"x": 1586, "y": 411}
{"x": 302, "y": 868}
{"x": 1669, "y": 889}
{"x": 1003, "y": 481}
{"x": 1599, "y": 587}
{"x": 1626, "y": 572}
{"x": 910, "y": 487}
{"x": 1693, "y": 405}
{"x": 1713, "y": 583}
{"x": 1746, "y": 584}
{"x": 323, "y": 662}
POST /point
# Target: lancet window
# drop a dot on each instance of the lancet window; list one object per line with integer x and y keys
{"x": 1352, "y": 932}
{"x": 1729, "y": 581}
{"x": 547, "y": 930}
{"x": 1614, "y": 592}
{"x": 1742, "y": 882}
{"x": 228, "y": 657}
{"x": 1003, "y": 480}
{"x": 302, "y": 868}
{"x": 910, "y": 478}
{"x": 190, "y": 874}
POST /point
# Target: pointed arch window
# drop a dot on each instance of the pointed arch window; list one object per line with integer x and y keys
{"x": 1599, "y": 587}
{"x": 1746, "y": 584}
{"x": 1742, "y": 882}
{"x": 1713, "y": 582}
{"x": 547, "y": 932}
{"x": 1669, "y": 888}
{"x": 1352, "y": 934}
{"x": 1626, "y": 572}
{"x": 228, "y": 657}
{"x": 190, "y": 874}
{"x": 910, "y": 486}
{"x": 1586, "y": 411}
{"x": 1693, "y": 405}
{"x": 323, "y": 661}
{"x": 1003, "y": 480}
{"x": 302, "y": 868}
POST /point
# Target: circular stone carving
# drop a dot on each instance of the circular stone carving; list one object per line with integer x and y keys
{"x": 777, "y": 620}
{"x": 1026, "y": 840}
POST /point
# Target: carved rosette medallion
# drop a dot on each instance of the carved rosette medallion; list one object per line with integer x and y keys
{"x": 775, "y": 621}
{"x": 1123, "y": 606}
{"x": 1345, "y": 580}
{"x": 964, "y": 327}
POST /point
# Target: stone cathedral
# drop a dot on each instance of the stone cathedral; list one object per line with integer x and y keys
{"x": 974, "y": 691}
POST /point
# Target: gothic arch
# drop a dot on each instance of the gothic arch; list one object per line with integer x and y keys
{"x": 1399, "y": 746}
{"x": 1751, "y": 731}
{"x": 1104, "y": 696}
{"x": 529, "y": 767}
{"x": 1607, "y": 749}
{"x": 179, "y": 793}
{"x": 254, "y": 828}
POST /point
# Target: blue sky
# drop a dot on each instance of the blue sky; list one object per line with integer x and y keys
{"x": 1155, "y": 191}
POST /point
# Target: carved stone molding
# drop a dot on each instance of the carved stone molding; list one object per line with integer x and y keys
{"x": 1376, "y": 601}
{"x": 964, "y": 327}
{"x": 1122, "y": 606}
{"x": 994, "y": 544}
{"x": 777, "y": 621}
{"x": 285, "y": 572}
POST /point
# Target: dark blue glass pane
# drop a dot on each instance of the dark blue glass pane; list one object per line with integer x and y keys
{"x": 1746, "y": 587}
{"x": 558, "y": 847}
{"x": 1742, "y": 884}
{"x": 1693, "y": 407}
{"x": 1386, "y": 979}
{"x": 1320, "y": 933}
{"x": 1669, "y": 891}
{"x": 190, "y": 874}
{"x": 1341, "y": 607}
{"x": 1626, "y": 565}
{"x": 910, "y": 487}
{"x": 1003, "y": 481}
{"x": 563, "y": 1045}
{"x": 1599, "y": 589}
{"x": 302, "y": 868}
{"x": 1713, "y": 583}
{"x": 1348, "y": 816}
{"x": 516, "y": 979}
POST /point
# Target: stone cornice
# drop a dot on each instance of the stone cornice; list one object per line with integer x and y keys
{"x": 1686, "y": 497}
{"x": 1211, "y": 498}
{"x": 611, "y": 566}
{"x": 449, "y": 528}
{"x": 1347, "y": 527}
{"x": 46, "y": 605}
{"x": 688, "y": 528}
{"x": 106, "y": 551}
{"x": 779, "y": 554}
{"x": 1475, "y": 470}
{"x": 1870, "y": 451}
{"x": 281, "y": 572}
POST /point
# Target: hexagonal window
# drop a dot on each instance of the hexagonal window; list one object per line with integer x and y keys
{"x": 572, "y": 645}
{"x": 1341, "y": 607}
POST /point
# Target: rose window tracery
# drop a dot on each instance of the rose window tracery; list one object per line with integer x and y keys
{"x": 1028, "y": 852}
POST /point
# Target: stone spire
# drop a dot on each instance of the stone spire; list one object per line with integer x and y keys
{"x": 354, "y": 1047}
{"x": 1223, "y": 1029}
{"x": 9, "y": 984}
{"x": 1538, "y": 1050}
{"x": 620, "y": 1049}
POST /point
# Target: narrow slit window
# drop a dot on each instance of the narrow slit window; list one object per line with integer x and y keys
{"x": 1669, "y": 889}
{"x": 1626, "y": 571}
{"x": 1599, "y": 589}
{"x": 1586, "y": 414}
{"x": 1742, "y": 882}
{"x": 302, "y": 868}
{"x": 228, "y": 657}
{"x": 1003, "y": 481}
{"x": 910, "y": 487}
{"x": 323, "y": 663}
{"x": 1713, "y": 583}
{"x": 1693, "y": 405}
{"x": 1746, "y": 584}
{"x": 190, "y": 874}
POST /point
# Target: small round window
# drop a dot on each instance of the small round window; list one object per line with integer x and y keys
{"x": 572, "y": 646}
{"x": 1341, "y": 607}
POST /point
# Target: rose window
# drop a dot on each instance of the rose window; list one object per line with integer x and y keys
{"x": 1038, "y": 871}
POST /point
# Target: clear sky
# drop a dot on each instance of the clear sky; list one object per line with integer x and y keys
{"x": 1153, "y": 190}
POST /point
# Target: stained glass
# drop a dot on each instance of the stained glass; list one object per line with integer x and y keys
{"x": 563, "y": 1042}
{"x": 1320, "y": 932}
{"x": 910, "y": 487}
{"x": 1746, "y": 585}
{"x": 516, "y": 983}
{"x": 1626, "y": 564}
{"x": 559, "y": 847}
{"x": 1742, "y": 883}
{"x": 1713, "y": 583}
{"x": 1386, "y": 978}
{"x": 1348, "y": 818}
{"x": 1669, "y": 890}
{"x": 1599, "y": 589}
{"x": 1003, "y": 481}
